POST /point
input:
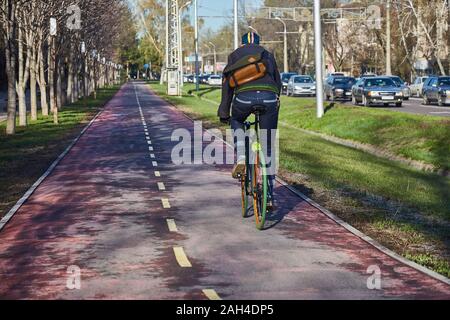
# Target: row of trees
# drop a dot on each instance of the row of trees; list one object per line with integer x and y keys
{"x": 61, "y": 51}
{"x": 419, "y": 32}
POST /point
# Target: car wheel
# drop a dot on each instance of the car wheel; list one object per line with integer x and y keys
{"x": 425, "y": 100}
{"x": 398, "y": 105}
{"x": 365, "y": 102}
{"x": 440, "y": 102}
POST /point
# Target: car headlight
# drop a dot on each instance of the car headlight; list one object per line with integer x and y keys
{"x": 339, "y": 90}
{"x": 448, "y": 93}
{"x": 373, "y": 94}
{"x": 313, "y": 88}
{"x": 400, "y": 94}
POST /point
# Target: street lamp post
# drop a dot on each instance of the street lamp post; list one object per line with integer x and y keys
{"x": 215, "y": 57}
{"x": 388, "y": 38}
{"x": 197, "y": 85}
{"x": 286, "y": 63}
{"x": 52, "y": 66}
{"x": 236, "y": 25}
{"x": 180, "y": 42}
{"x": 318, "y": 57}
{"x": 83, "y": 54}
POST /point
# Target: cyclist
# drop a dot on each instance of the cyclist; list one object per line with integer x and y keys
{"x": 260, "y": 88}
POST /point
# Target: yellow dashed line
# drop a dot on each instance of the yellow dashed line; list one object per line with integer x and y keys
{"x": 152, "y": 156}
{"x": 157, "y": 174}
{"x": 165, "y": 203}
{"x": 211, "y": 294}
{"x": 161, "y": 186}
{"x": 181, "y": 257}
{"x": 150, "y": 148}
{"x": 155, "y": 164}
{"x": 172, "y": 225}
{"x": 149, "y": 142}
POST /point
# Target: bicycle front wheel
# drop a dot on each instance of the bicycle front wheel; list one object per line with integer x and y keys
{"x": 244, "y": 193}
{"x": 260, "y": 189}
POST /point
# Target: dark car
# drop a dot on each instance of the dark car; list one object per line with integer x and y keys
{"x": 377, "y": 90}
{"x": 339, "y": 88}
{"x": 437, "y": 90}
{"x": 285, "y": 77}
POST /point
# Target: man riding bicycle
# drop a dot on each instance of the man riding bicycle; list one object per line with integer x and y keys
{"x": 251, "y": 79}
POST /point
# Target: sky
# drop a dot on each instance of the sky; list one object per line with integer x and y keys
{"x": 219, "y": 8}
{"x": 214, "y": 8}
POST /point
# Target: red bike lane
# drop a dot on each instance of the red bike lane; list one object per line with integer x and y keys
{"x": 136, "y": 226}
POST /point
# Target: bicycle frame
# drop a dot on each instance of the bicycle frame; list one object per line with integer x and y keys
{"x": 249, "y": 182}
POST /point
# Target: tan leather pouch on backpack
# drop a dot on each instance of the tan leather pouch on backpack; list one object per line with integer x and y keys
{"x": 248, "y": 74}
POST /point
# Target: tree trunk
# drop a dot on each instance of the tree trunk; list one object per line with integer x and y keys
{"x": 33, "y": 94}
{"x": 11, "y": 72}
{"x": 20, "y": 85}
{"x": 59, "y": 79}
{"x": 42, "y": 82}
{"x": 70, "y": 79}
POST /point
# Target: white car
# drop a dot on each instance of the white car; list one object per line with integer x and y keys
{"x": 301, "y": 86}
{"x": 417, "y": 86}
{"x": 215, "y": 80}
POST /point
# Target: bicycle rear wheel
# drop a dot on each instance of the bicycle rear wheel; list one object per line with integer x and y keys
{"x": 260, "y": 188}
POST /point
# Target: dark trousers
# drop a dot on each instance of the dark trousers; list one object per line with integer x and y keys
{"x": 243, "y": 106}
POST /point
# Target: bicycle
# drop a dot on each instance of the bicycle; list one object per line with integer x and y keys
{"x": 254, "y": 182}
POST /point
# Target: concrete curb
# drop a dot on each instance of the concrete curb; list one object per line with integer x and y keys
{"x": 341, "y": 222}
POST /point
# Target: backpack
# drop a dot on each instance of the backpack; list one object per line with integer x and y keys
{"x": 247, "y": 69}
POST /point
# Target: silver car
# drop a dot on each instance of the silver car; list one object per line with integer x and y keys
{"x": 301, "y": 86}
{"x": 417, "y": 86}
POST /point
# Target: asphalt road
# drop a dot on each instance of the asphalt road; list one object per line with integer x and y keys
{"x": 136, "y": 226}
{"x": 415, "y": 106}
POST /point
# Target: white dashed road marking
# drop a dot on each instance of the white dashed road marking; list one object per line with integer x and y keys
{"x": 172, "y": 225}
{"x": 161, "y": 186}
{"x": 165, "y": 203}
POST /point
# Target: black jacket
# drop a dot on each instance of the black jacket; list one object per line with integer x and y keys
{"x": 270, "y": 82}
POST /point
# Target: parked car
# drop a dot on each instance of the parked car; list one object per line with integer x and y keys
{"x": 368, "y": 75}
{"x": 301, "y": 86}
{"x": 338, "y": 87}
{"x": 285, "y": 77}
{"x": 186, "y": 78}
{"x": 436, "y": 90}
{"x": 215, "y": 80}
{"x": 402, "y": 84}
{"x": 377, "y": 90}
{"x": 336, "y": 74}
{"x": 417, "y": 86}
